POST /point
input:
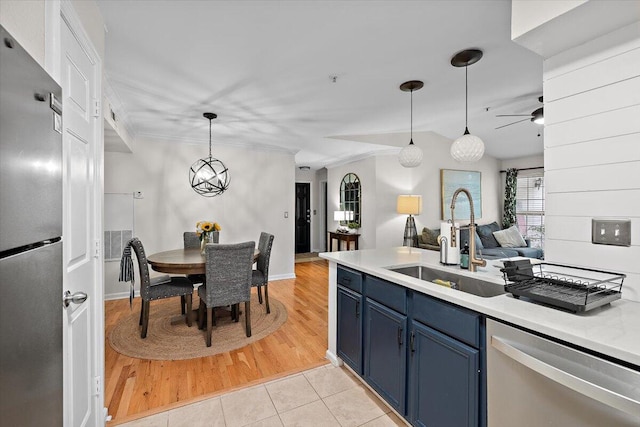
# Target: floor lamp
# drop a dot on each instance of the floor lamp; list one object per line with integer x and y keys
{"x": 410, "y": 205}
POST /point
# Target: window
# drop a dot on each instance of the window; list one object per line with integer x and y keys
{"x": 530, "y": 208}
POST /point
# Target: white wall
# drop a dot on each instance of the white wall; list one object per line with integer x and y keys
{"x": 261, "y": 191}
{"x": 523, "y": 162}
{"x": 366, "y": 171}
{"x": 592, "y": 151}
{"x": 24, "y": 19}
{"x": 383, "y": 179}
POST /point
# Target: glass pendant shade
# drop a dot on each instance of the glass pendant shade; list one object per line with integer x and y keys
{"x": 467, "y": 148}
{"x": 410, "y": 156}
{"x": 208, "y": 176}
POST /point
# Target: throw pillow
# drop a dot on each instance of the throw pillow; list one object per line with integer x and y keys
{"x": 485, "y": 232}
{"x": 430, "y": 237}
{"x": 464, "y": 237}
{"x": 510, "y": 238}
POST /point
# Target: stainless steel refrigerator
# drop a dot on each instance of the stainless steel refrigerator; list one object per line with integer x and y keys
{"x": 31, "y": 306}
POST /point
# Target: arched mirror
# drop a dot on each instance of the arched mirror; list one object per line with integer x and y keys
{"x": 350, "y": 199}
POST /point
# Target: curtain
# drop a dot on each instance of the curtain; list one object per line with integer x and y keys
{"x": 509, "y": 215}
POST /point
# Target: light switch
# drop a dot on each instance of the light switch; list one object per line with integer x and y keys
{"x": 615, "y": 232}
{"x": 286, "y": 214}
{"x": 138, "y": 195}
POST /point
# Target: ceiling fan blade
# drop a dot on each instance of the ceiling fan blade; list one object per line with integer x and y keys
{"x": 513, "y": 115}
{"x": 509, "y": 124}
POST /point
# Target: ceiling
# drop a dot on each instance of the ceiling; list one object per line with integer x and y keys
{"x": 319, "y": 78}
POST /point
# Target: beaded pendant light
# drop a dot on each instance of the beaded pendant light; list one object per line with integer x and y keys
{"x": 467, "y": 148}
{"x": 411, "y": 155}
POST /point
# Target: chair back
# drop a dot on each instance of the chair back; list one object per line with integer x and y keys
{"x": 191, "y": 240}
{"x": 264, "y": 246}
{"x": 228, "y": 272}
{"x": 143, "y": 266}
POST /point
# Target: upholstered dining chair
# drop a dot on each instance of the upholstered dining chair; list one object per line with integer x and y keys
{"x": 228, "y": 283}
{"x": 158, "y": 288}
{"x": 191, "y": 240}
{"x": 260, "y": 276}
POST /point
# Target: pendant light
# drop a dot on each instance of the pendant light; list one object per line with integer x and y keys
{"x": 209, "y": 177}
{"x": 411, "y": 155}
{"x": 467, "y": 148}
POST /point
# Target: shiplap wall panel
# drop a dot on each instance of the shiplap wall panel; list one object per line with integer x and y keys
{"x": 594, "y": 178}
{"x": 614, "y": 96}
{"x": 598, "y": 50}
{"x": 578, "y": 228}
{"x": 596, "y": 203}
{"x": 610, "y": 124}
{"x": 598, "y": 152}
{"x": 610, "y": 70}
{"x": 592, "y": 152}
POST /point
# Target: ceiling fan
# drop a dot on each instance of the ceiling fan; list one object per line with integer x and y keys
{"x": 536, "y": 116}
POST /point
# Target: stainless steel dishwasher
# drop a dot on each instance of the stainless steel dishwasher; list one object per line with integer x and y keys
{"x": 532, "y": 381}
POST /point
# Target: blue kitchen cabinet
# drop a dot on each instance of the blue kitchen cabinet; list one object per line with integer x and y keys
{"x": 350, "y": 328}
{"x": 443, "y": 379}
{"x": 350, "y": 306}
{"x": 385, "y": 366}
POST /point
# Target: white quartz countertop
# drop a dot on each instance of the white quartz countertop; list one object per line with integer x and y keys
{"x": 613, "y": 330}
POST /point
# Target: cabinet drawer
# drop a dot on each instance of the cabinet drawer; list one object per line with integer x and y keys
{"x": 454, "y": 321}
{"x": 350, "y": 279}
{"x": 387, "y": 293}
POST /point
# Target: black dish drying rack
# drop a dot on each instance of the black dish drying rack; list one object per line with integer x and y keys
{"x": 575, "y": 289}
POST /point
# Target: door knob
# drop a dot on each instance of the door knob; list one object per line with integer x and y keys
{"x": 76, "y": 298}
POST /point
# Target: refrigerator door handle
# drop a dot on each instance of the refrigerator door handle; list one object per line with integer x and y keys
{"x": 76, "y": 298}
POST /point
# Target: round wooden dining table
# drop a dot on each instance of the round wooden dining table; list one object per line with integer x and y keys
{"x": 182, "y": 261}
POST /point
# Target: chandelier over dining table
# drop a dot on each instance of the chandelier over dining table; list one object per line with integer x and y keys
{"x": 208, "y": 176}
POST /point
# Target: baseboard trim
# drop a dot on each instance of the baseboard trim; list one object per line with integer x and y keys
{"x": 333, "y": 358}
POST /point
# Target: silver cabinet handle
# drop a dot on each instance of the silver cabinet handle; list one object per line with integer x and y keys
{"x": 76, "y": 298}
{"x": 580, "y": 385}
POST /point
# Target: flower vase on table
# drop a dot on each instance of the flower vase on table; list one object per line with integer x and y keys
{"x": 209, "y": 232}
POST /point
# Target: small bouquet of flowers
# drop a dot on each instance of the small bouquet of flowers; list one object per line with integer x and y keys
{"x": 204, "y": 228}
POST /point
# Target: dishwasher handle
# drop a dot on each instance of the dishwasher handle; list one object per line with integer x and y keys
{"x": 577, "y": 384}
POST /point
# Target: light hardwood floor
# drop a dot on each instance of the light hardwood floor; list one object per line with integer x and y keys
{"x": 137, "y": 387}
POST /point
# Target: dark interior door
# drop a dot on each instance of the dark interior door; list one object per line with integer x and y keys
{"x": 303, "y": 217}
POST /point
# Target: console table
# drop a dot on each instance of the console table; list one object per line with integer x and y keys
{"x": 343, "y": 237}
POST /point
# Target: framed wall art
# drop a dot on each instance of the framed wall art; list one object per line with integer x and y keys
{"x": 450, "y": 181}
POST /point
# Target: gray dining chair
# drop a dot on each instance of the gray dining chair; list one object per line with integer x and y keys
{"x": 191, "y": 240}
{"x": 159, "y": 288}
{"x": 228, "y": 283}
{"x": 260, "y": 276}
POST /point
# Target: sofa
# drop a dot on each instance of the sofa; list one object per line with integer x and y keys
{"x": 486, "y": 242}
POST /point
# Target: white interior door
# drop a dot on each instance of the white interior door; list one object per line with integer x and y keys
{"x": 80, "y": 84}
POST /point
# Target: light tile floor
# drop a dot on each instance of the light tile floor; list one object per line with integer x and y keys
{"x": 324, "y": 396}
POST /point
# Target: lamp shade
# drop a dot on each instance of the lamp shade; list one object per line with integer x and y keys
{"x": 467, "y": 148}
{"x": 409, "y": 205}
{"x": 339, "y": 215}
{"x": 410, "y": 156}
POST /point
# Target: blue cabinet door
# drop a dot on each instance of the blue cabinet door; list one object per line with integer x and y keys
{"x": 385, "y": 353}
{"x": 349, "y": 332}
{"x": 443, "y": 379}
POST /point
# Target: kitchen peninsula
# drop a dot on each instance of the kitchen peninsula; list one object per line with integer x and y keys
{"x": 414, "y": 314}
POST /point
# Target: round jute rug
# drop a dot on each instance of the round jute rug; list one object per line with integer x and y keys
{"x": 169, "y": 337}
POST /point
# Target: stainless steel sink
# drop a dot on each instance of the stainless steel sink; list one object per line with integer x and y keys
{"x": 470, "y": 285}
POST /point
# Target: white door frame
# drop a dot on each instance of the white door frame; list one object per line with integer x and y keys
{"x": 58, "y": 13}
